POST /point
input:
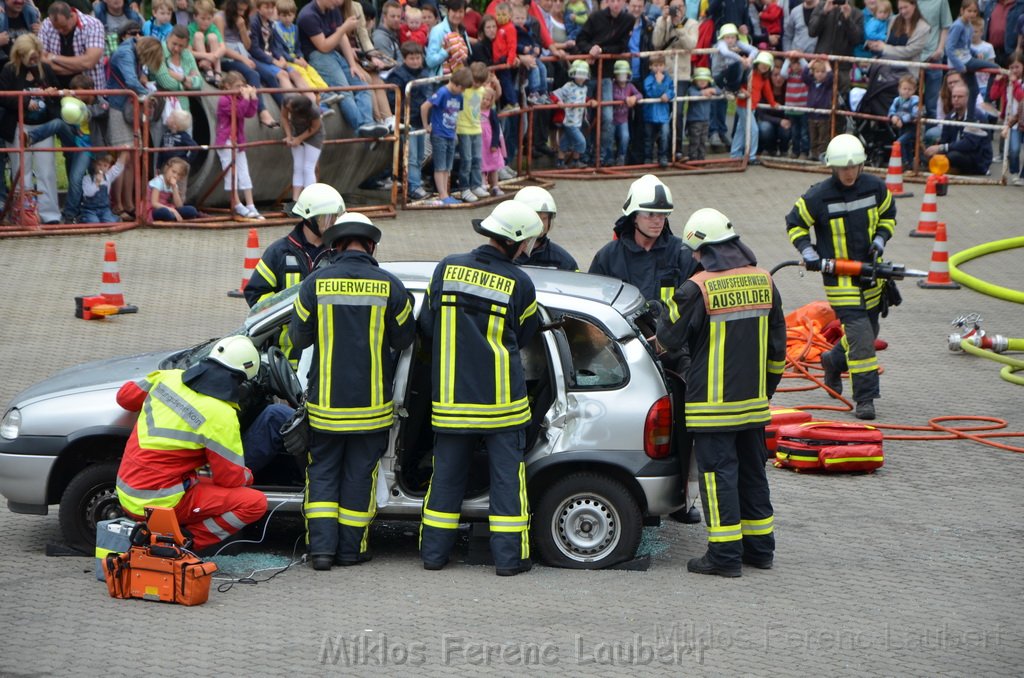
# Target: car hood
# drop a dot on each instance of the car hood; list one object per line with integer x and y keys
{"x": 95, "y": 376}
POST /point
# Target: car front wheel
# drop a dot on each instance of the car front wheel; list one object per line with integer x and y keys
{"x": 587, "y": 521}
{"x": 89, "y": 498}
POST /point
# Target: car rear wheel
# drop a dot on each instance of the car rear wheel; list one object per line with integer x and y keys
{"x": 89, "y": 498}
{"x": 587, "y": 521}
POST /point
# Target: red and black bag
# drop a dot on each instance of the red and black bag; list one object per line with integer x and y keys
{"x": 829, "y": 446}
{"x": 781, "y": 416}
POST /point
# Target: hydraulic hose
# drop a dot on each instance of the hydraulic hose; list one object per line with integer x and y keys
{"x": 977, "y": 284}
{"x": 1010, "y": 365}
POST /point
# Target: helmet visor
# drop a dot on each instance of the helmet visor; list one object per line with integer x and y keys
{"x": 528, "y": 245}
{"x": 324, "y": 221}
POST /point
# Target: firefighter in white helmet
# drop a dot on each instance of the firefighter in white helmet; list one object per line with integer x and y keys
{"x": 545, "y": 252}
{"x": 645, "y": 253}
{"x": 852, "y": 216}
{"x": 486, "y": 305}
{"x": 732, "y": 325}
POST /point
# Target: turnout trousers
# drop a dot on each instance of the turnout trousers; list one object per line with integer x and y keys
{"x": 856, "y": 352}
{"x": 509, "y": 510}
{"x": 734, "y": 492}
{"x": 340, "y": 491}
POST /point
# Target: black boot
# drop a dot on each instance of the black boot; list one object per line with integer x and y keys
{"x": 703, "y": 565}
{"x": 523, "y": 566}
{"x": 322, "y": 563}
{"x": 865, "y": 409}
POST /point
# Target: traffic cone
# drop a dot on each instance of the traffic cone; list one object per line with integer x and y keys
{"x": 110, "y": 287}
{"x": 928, "y": 221}
{"x": 894, "y": 175}
{"x": 938, "y": 272}
{"x": 252, "y": 257}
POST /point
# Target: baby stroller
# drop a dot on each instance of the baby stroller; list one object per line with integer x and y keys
{"x": 883, "y": 87}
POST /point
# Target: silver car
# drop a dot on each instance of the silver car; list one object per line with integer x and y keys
{"x": 600, "y": 463}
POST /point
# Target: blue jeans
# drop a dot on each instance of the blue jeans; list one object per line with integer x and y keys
{"x": 268, "y": 76}
{"x": 509, "y": 88}
{"x": 261, "y": 442}
{"x": 906, "y": 140}
{"x": 250, "y": 75}
{"x": 164, "y": 214}
{"x": 799, "y": 134}
{"x": 739, "y": 134}
{"x": 77, "y": 163}
{"x": 443, "y": 150}
{"x": 972, "y": 83}
{"x": 417, "y": 148}
{"x": 932, "y": 84}
{"x": 471, "y": 155}
{"x": 99, "y": 215}
{"x": 621, "y": 141}
{"x": 537, "y": 79}
{"x": 661, "y": 130}
{"x": 357, "y": 107}
{"x": 607, "y": 126}
{"x": 771, "y": 136}
{"x": 572, "y": 140}
{"x": 1013, "y": 157}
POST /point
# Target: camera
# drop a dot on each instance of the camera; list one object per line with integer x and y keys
{"x": 673, "y": 11}
{"x": 838, "y": 2}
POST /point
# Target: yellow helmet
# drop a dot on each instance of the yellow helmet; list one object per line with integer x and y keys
{"x": 73, "y": 111}
{"x": 727, "y": 30}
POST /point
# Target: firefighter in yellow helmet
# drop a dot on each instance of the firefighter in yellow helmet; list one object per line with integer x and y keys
{"x": 732, "y": 323}
{"x": 484, "y": 305}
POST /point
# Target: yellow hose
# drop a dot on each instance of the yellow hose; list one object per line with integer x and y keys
{"x": 977, "y": 284}
{"x": 1010, "y": 365}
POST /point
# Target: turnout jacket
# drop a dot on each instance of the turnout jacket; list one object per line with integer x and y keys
{"x": 550, "y": 255}
{"x": 286, "y": 262}
{"x": 179, "y": 431}
{"x": 733, "y": 325}
{"x": 481, "y": 308}
{"x": 657, "y": 273}
{"x": 845, "y": 221}
{"x": 356, "y": 316}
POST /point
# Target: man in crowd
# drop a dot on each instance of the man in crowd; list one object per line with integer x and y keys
{"x": 73, "y": 43}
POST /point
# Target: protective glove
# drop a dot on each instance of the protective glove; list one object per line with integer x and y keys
{"x": 812, "y": 262}
{"x": 877, "y": 248}
{"x": 295, "y": 435}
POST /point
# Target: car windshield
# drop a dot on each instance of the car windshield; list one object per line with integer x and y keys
{"x": 269, "y": 305}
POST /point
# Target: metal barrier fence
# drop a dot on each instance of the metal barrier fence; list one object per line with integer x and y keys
{"x": 16, "y": 215}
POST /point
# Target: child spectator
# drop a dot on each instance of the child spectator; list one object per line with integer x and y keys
{"x": 1008, "y": 91}
{"x": 574, "y": 91}
{"x": 529, "y": 51}
{"x": 207, "y": 42}
{"x": 289, "y": 33}
{"x": 440, "y": 114}
{"x": 268, "y": 52}
{"x": 983, "y": 50}
{"x": 760, "y": 90}
{"x": 658, "y": 116}
{"x": 698, "y": 116}
{"x": 960, "y": 56}
{"x": 96, "y": 188}
{"x": 493, "y": 144}
{"x": 796, "y": 95}
{"x": 240, "y": 101}
{"x": 113, "y": 14}
{"x": 414, "y": 29}
{"x": 731, "y": 60}
{"x": 162, "y": 22}
{"x": 576, "y": 14}
{"x": 903, "y": 117}
{"x": 622, "y": 90}
{"x": 771, "y": 24}
{"x": 166, "y": 199}
{"x": 505, "y": 45}
{"x": 877, "y": 17}
{"x": 468, "y": 128}
{"x": 412, "y": 69}
{"x": 176, "y": 142}
{"x": 304, "y": 134}
{"x": 183, "y": 13}
{"x": 818, "y": 79}
{"x": 483, "y": 50}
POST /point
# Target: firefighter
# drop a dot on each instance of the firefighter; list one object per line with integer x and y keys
{"x": 545, "y": 253}
{"x": 189, "y": 419}
{"x": 733, "y": 325}
{"x": 485, "y": 306}
{"x": 645, "y": 253}
{"x": 287, "y": 261}
{"x": 358, "y": 318}
{"x": 853, "y": 216}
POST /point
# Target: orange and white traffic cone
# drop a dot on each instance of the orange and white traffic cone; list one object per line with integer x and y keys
{"x": 938, "y": 272}
{"x": 252, "y": 257}
{"x": 928, "y": 221}
{"x": 894, "y": 175}
{"x": 110, "y": 288}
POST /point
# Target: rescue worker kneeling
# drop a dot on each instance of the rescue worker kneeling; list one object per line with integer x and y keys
{"x": 480, "y": 309}
{"x": 731, "y": 321}
{"x": 358, "y": 318}
{"x": 189, "y": 419}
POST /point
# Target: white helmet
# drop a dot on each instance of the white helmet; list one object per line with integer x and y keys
{"x": 237, "y": 353}
{"x": 845, "y": 150}
{"x": 648, "y": 194}
{"x": 351, "y": 225}
{"x": 510, "y": 220}
{"x": 537, "y": 198}
{"x": 319, "y": 200}
{"x": 73, "y": 111}
{"x": 707, "y": 226}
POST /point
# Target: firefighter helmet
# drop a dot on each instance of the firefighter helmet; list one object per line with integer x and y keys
{"x": 537, "y": 198}
{"x": 511, "y": 220}
{"x": 579, "y": 67}
{"x": 648, "y": 194}
{"x": 351, "y": 225}
{"x": 73, "y": 111}
{"x": 727, "y": 30}
{"x": 765, "y": 58}
{"x": 622, "y": 66}
{"x": 845, "y": 150}
{"x": 707, "y": 226}
{"x": 320, "y": 205}
{"x": 237, "y": 353}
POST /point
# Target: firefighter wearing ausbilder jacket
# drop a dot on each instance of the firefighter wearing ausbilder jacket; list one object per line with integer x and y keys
{"x": 481, "y": 308}
{"x": 853, "y": 216}
{"x": 732, "y": 322}
{"x": 358, "y": 317}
